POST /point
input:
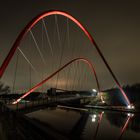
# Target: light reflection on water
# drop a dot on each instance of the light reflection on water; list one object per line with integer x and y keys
{"x": 91, "y": 124}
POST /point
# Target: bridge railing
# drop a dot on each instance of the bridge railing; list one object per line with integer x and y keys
{"x": 26, "y": 104}
{"x": 42, "y": 102}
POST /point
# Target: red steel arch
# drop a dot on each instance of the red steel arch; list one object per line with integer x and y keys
{"x": 60, "y": 69}
{"x": 54, "y": 12}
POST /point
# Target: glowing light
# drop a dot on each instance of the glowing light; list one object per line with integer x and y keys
{"x": 103, "y": 101}
{"x": 131, "y": 107}
{"x": 15, "y": 102}
{"x": 102, "y": 97}
{"x": 94, "y": 115}
{"x": 130, "y": 114}
{"x": 94, "y": 90}
{"x": 93, "y": 119}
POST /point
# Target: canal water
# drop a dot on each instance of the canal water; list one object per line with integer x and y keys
{"x": 90, "y": 124}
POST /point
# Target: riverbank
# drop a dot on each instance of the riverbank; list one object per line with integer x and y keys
{"x": 113, "y": 108}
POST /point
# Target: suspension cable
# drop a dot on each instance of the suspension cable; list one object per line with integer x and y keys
{"x": 50, "y": 44}
{"x": 14, "y": 82}
{"x": 75, "y": 75}
{"x": 58, "y": 33}
{"x": 27, "y": 60}
{"x": 30, "y": 72}
{"x": 61, "y": 56}
{"x": 40, "y": 53}
{"x": 68, "y": 41}
{"x": 47, "y": 35}
{"x": 60, "y": 45}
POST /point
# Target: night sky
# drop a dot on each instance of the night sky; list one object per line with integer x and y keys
{"x": 115, "y": 26}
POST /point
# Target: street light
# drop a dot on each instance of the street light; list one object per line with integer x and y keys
{"x": 131, "y": 107}
{"x": 94, "y": 90}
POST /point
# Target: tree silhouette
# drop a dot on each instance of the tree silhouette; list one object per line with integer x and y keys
{"x": 4, "y": 89}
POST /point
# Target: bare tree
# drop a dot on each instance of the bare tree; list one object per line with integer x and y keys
{"x": 4, "y": 89}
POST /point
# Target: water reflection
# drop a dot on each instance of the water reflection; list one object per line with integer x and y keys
{"x": 125, "y": 124}
{"x": 128, "y": 123}
{"x": 90, "y": 124}
{"x": 99, "y": 122}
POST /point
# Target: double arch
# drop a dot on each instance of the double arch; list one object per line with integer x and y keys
{"x": 57, "y": 12}
{"x": 56, "y": 72}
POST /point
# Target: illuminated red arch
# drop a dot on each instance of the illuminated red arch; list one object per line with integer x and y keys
{"x": 60, "y": 69}
{"x": 54, "y": 12}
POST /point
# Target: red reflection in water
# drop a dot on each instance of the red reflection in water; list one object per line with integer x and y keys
{"x": 125, "y": 126}
{"x": 99, "y": 122}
